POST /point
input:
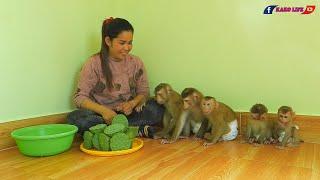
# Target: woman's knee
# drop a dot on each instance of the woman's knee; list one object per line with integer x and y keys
{"x": 153, "y": 112}
{"x": 84, "y": 124}
{"x": 77, "y": 114}
{"x": 84, "y": 119}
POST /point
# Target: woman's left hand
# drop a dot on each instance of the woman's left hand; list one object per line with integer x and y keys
{"x": 127, "y": 107}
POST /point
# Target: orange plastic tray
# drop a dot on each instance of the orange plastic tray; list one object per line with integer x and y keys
{"x": 136, "y": 145}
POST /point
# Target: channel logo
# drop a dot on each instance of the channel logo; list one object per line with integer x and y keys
{"x": 273, "y": 9}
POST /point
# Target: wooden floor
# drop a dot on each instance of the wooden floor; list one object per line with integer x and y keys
{"x": 186, "y": 159}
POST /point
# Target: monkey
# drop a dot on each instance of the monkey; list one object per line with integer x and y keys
{"x": 285, "y": 131}
{"x": 191, "y": 102}
{"x": 174, "y": 117}
{"x": 222, "y": 120}
{"x": 259, "y": 128}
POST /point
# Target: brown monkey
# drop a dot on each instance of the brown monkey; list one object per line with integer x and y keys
{"x": 222, "y": 120}
{"x": 191, "y": 102}
{"x": 174, "y": 116}
{"x": 285, "y": 130}
{"x": 259, "y": 129}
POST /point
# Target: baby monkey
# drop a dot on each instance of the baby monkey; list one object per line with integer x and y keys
{"x": 285, "y": 131}
{"x": 258, "y": 128}
{"x": 191, "y": 103}
{"x": 221, "y": 118}
{"x": 174, "y": 118}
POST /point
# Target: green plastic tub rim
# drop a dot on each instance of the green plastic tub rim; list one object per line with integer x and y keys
{"x": 16, "y": 133}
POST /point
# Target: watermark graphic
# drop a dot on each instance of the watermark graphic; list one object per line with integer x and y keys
{"x": 274, "y": 9}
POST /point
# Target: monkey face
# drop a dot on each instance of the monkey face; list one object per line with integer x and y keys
{"x": 284, "y": 117}
{"x": 187, "y": 103}
{"x": 258, "y": 116}
{"x": 161, "y": 96}
{"x": 207, "y": 106}
{"x": 191, "y": 98}
{"x": 255, "y": 116}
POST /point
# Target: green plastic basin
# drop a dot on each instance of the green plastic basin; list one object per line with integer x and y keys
{"x": 44, "y": 140}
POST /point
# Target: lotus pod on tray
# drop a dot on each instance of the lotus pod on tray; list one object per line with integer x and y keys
{"x": 104, "y": 142}
{"x": 114, "y": 128}
{"x": 120, "y": 141}
{"x": 121, "y": 119}
{"x": 132, "y": 131}
{"x": 99, "y": 128}
{"x": 95, "y": 141}
{"x": 87, "y": 139}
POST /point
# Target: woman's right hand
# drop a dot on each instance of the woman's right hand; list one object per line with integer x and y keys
{"x": 108, "y": 115}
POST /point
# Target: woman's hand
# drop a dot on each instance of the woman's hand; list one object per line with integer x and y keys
{"x": 108, "y": 115}
{"x": 126, "y": 107}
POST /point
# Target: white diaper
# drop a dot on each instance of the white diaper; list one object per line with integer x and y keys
{"x": 281, "y": 136}
{"x": 195, "y": 127}
{"x": 233, "y": 132}
{"x": 282, "y": 133}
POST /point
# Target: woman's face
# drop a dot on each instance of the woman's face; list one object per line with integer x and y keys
{"x": 120, "y": 46}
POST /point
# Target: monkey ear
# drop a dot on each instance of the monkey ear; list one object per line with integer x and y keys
{"x": 293, "y": 114}
{"x": 195, "y": 97}
{"x": 168, "y": 89}
{"x": 216, "y": 104}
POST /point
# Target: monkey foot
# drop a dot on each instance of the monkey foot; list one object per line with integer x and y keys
{"x": 156, "y": 137}
{"x": 165, "y": 141}
{"x": 183, "y": 137}
{"x": 267, "y": 142}
{"x": 196, "y": 138}
{"x": 251, "y": 140}
{"x": 243, "y": 141}
{"x": 280, "y": 147}
{"x": 292, "y": 145}
{"x": 257, "y": 144}
{"x": 206, "y": 144}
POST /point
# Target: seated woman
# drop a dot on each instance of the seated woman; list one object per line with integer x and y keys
{"x": 114, "y": 81}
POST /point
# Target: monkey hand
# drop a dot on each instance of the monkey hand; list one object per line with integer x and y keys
{"x": 207, "y": 135}
{"x": 280, "y": 147}
{"x": 196, "y": 138}
{"x": 139, "y": 107}
{"x": 243, "y": 141}
{"x": 274, "y": 141}
{"x": 206, "y": 144}
{"x": 157, "y": 136}
{"x": 267, "y": 142}
{"x": 183, "y": 137}
{"x": 257, "y": 144}
{"x": 251, "y": 140}
{"x": 167, "y": 141}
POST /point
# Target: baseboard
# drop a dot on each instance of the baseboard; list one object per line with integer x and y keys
{"x": 6, "y": 128}
{"x": 309, "y": 126}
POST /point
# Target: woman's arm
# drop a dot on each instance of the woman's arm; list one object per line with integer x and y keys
{"x": 88, "y": 79}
